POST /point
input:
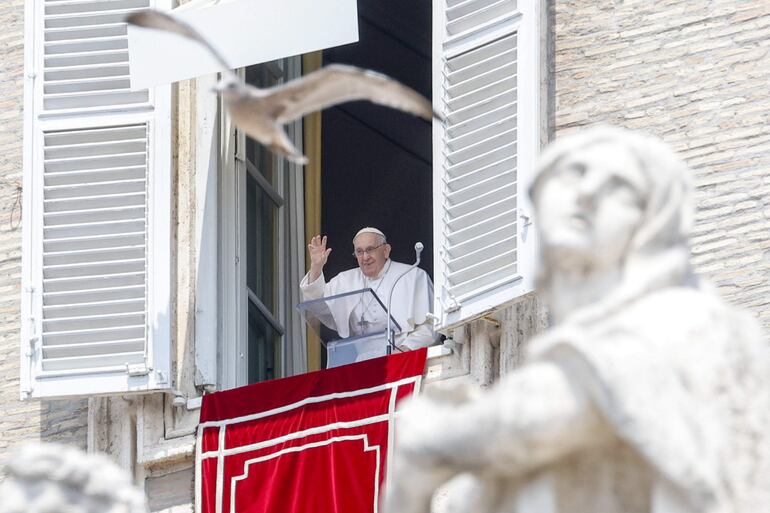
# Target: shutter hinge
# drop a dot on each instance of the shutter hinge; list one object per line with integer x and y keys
{"x": 30, "y": 350}
{"x": 451, "y": 305}
{"x": 137, "y": 369}
{"x": 525, "y": 217}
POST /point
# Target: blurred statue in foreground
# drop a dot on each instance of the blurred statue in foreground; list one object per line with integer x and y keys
{"x": 648, "y": 395}
{"x": 51, "y": 478}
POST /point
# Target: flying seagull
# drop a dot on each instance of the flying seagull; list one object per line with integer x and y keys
{"x": 261, "y": 113}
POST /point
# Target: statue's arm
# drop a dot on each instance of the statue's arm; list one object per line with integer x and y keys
{"x": 534, "y": 416}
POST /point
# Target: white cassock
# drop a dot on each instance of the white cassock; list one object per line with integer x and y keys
{"x": 360, "y": 314}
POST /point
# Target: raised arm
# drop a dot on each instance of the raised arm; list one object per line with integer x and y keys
{"x": 319, "y": 254}
{"x": 533, "y": 417}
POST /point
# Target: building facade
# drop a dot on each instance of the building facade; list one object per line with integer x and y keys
{"x": 693, "y": 73}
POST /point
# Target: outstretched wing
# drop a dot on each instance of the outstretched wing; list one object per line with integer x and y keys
{"x": 338, "y": 83}
{"x": 154, "y": 19}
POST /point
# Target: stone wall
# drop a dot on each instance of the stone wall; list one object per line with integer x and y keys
{"x": 695, "y": 73}
{"x": 63, "y": 421}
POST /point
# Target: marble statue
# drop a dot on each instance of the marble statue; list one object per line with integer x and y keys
{"x": 53, "y": 478}
{"x": 649, "y": 394}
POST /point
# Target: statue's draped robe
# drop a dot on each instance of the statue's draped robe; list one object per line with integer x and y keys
{"x": 681, "y": 380}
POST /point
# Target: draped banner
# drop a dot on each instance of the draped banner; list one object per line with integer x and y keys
{"x": 314, "y": 443}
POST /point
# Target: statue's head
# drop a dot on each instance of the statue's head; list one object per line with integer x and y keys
{"x": 611, "y": 200}
{"x": 53, "y": 478}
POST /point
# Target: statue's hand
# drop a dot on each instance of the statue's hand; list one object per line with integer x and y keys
{"x": 412, "y": 485}
{"x": 421, "y": 460}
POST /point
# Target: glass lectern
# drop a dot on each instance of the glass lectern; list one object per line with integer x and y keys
{"x": 352, "y": 326}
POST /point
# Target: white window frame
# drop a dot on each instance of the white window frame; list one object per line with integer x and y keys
{"x": 233, "y": 356}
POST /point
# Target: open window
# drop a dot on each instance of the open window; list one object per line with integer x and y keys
{"x": 263, "y": 250}
{"x": 458, "y": 187}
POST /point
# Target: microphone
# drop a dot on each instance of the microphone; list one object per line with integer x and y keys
{"x": 418, "y": 247}
{"x": 417, "y": 250}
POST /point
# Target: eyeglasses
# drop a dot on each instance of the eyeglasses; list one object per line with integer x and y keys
{"x": 367, "y": 251}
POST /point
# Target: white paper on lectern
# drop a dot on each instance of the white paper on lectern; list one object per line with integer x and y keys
{"x": 244, "y": 31}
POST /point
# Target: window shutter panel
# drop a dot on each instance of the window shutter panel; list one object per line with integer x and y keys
{"x": 486, "y": 83}
{"x": 96, "y": 250}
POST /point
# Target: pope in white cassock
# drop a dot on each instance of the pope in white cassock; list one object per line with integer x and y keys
{"x": 360, "y": 314}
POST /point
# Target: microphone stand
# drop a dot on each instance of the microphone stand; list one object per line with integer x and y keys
{"x": 391, "y": 339}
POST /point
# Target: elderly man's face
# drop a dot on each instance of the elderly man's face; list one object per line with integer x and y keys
{"x": 591, "y": 204}
{"x": 371, "y": 253}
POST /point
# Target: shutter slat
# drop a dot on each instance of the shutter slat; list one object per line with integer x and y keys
{"x": 95, "y": 241}
{"x": 481, "y": 161}
{"x": 496, "y": 144}
{"x": 93, "y": 136}
{"x": 472, "y": 191}
{"x": 481, "y": 59}
{"x": 87, "y": 19}
{"x": 484, "y": 91}
{"x": 483, "y": 132}
{"x": 93, "y": 335}
{"x": 87, "y": 203}
{"x": 98, "y": 321}
{"x": 98, "y": 215}
{"x": 90, "y": 7}
{"x": 96, "y": 100}
{"x": 479, "y": 122}
{"x": 100, "y": 84}
{"x": 86, "y": 32}
{"x": 95, "y": 148}
{"x": 91, "y": 61}
{"x": 93, "y": 348}
{"x": 85, "y": 46}
{"x": 94, "y": 309}
{"x": 101, "y": 255}
{"x": 94, "y": 176}
{"x": 485, "y": 106}
{"x": 90, "y": 296}
{"x": 96, "y": 282}
{"x": 93, "y": 363}
{"x": 485, "y": 217}
{"x": 480, "y": 13}
{"x": 499, "y": 69}
{"x": 93, "y": 269}
{"x": 86, "y": 70}
{"x": 480, "y": 254}
{"x": 93, "y": 163}
{"x": 486, "y": 278}
{"x": 86, "y": 190}
{"x": 461, "y": 182}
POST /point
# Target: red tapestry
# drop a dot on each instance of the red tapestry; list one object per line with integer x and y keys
{"x": 314, "y": 443}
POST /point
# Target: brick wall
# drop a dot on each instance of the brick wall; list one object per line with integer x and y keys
{"x": 48, "y": 420}
{"x": 697, "y": 74}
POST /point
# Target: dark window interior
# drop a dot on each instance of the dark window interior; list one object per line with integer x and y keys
{"x": 376, "y": 162}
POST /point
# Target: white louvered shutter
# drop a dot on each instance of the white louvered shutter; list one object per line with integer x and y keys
{"x": 486, "y": 83}
{"x": 96, "y": 249}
